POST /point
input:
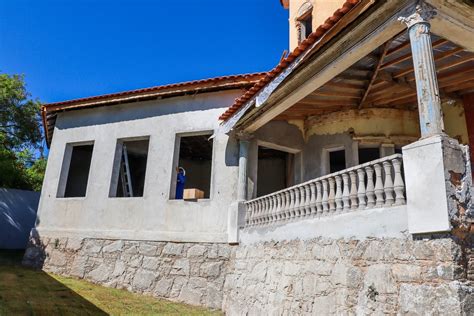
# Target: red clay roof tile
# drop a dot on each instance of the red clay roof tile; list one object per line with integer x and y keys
{"x": 311, "y": 39}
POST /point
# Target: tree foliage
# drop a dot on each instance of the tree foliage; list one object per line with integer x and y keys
{"x": 22, "y": 164}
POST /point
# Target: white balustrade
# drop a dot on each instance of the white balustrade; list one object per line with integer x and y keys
{"x": 378, "y": 183}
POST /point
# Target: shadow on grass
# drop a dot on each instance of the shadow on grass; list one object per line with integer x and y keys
{"x": 26, "y": 291}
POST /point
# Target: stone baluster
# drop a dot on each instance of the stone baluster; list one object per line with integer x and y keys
{"x": 279, "y": 207}
{"x": 325, "y": 199}
{"x": 338, "y": 196}
{"x": 370, "y": 187}
{"x": 319, "y": 198}
{"x": 297, "y": 203}
{"x": 353, "y": 193}
{"x": 292, "y": 204}
{"x": 388, "y": 185}
{"x": 259, "y": 210}
{"x": 307, "y": 204}
{"x": 264, "y": 209}
{"x": 312, "y": 201}
{"x": 261, "y": 205}
{"x": 275, "y": 207}
{"x": 287, "y": 205}
{"x": 361, "y": 190}
{"x": 345, "y": 192}
{"x": 248, "y": 211}
{"x": 378, "y": 186}
{"x": 252, "y": 214}
{"x": 332, "y": 195}
{"x": 254, "y": 211}
{"x": 301, "y": 200}
{"x": 398, "y": 185}
{"x": 271, "y": 202}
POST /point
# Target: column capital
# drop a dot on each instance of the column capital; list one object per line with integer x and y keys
{"x": 244, "y": 136}
{"x": 423, "y": 13}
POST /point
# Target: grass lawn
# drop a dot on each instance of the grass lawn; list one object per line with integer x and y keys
{"x": 29, "y": 292}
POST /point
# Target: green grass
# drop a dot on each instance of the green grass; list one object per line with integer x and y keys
{"x": 31, "y": 292}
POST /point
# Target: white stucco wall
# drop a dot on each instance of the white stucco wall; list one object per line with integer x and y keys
{"x": 152, "y": 216}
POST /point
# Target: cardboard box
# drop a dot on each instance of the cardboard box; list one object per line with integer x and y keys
{"x": 193, "y": 194}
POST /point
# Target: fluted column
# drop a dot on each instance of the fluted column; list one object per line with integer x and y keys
{"x": 429, "y": 102}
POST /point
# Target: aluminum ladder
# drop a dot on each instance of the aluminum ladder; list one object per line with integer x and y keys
{"x": 125, "y": 174}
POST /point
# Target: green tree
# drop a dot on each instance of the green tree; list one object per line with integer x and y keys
{"x": 20, "y": 136}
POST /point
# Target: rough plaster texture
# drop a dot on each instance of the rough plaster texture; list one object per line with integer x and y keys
{"x": 17, "y": 217}
{"x": 99, "y": 216}
{"x": 183, "y": 272}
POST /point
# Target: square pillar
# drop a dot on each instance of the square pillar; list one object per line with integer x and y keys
{"x": 438, "y": 184}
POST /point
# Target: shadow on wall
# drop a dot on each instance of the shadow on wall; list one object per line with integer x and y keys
{"x": 33, "y": 292}
{"x": 17, "y": 217}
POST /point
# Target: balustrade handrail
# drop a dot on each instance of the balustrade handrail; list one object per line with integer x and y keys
{"x": 372, "y": 184}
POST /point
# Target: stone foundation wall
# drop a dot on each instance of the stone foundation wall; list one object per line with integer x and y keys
{"x": 185, "y": 272}
{"x": 320, "y": 276}
{"x": 344, "y": 277}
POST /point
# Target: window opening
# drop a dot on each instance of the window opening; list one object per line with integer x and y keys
{"x": 274, "y": 170}
{"x": 305, "y": 26}
{"x": 368, "y": 154}
{"x": 337, "y": 160}
{"x": 78, "y": 168}
{"x": 193, "y": 169}
{"x": 131, "y": 165}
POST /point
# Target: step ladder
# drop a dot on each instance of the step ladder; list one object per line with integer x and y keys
{"x": 125, "y": 174}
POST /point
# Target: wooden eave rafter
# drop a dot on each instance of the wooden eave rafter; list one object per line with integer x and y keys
{"x": 449, "y": 52}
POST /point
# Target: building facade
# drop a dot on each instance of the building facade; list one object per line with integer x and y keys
{"x": 339, "y": 182}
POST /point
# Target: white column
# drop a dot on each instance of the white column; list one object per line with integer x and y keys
{"x": 429, "y": 102}
{"x": 244, "y": 143}
{"x": 237, "y": 210}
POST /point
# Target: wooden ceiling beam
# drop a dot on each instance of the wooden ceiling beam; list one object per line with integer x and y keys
{"x": 344, "y": 85}
{"x": 375, "y": 73}
{"x": 340, "y": 94}
{"x": 437, "y": 58}
{"x": 406, "y": 57}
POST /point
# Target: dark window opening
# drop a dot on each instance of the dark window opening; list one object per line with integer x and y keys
{"x": 274, "y": 170}
{"x": 368, "y": 154}
{"x": 337, "y": 160}
{"x": 78, "y": 173}
{"x": 306, "y": 27}
{"x": 398, "y": 150}
{"x": 194, "y": 168}
{"x": 131, "y": 171}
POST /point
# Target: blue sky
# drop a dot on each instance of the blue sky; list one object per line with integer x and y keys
{"x": 70, "y": 49}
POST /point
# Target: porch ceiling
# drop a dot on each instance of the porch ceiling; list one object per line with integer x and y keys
{"x": 385, "y": 78}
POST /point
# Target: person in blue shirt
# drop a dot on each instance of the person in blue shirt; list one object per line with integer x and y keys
{"x": 180, "y": 182}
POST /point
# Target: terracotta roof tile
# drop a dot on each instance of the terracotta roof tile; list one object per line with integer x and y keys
{"x": 302, "y": 47}
{"x": 195, "y": 86}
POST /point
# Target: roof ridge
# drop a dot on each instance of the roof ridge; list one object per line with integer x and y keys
{"x": 157, "y": 88}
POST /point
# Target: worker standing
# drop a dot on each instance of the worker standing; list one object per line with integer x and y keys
{"x": 180, "y": 182}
